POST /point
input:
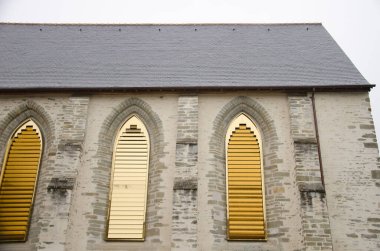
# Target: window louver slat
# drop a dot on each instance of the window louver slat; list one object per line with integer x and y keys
{"x": 18, "y": 181}
{"x": 126, "y": 220}
{"x": 246, "y": 219}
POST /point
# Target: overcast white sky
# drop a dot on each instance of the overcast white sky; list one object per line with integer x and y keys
{"x": 354, "y": 24}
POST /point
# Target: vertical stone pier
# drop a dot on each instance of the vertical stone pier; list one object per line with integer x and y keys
{"x": 314, "y": 213}
{"x": 184, "y": 222}
{"x": 71, "y": 127}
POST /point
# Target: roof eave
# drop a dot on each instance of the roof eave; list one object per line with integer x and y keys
{"x": 340, "y": 88}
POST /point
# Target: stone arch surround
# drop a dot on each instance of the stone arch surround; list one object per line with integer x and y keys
{"x": 27, "y": 110}
{"x": 102, "y": 172}
{"x": 34, "y": 111}
{"x": 273, "y": 177}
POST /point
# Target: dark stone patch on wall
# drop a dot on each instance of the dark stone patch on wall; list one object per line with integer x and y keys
{"x": 375, "y": 174}
{"x": 367, "y": 127}
{"x": 185, "y": 183}
{"x": 61, "y": 184}
{"x": 353, "y": 235}
{"x": 370, "y": 145}
{"x": 70, "y": 146}
{"x": 307, "y": 197}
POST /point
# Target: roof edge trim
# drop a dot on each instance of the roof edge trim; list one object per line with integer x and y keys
{"x": 156, "y": 24}
{"x": 193, "y": 88}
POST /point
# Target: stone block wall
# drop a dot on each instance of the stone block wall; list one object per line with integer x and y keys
{"x": 72, "y": 124}
{"x": 105, "y": 117}
{"x": 308, "y": 169}
{"x": 271, "y": 116}
{"x": 315, "y": 221}
{"x": 186, "y": 208}
{"x": 62, "y": 120}
{"x": 314, "y": 212}
{"x": 301, "y": 115}
{"x": 185, "y": 203}
{"x": 349, "y": 152}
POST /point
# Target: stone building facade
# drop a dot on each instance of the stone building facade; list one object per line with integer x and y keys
{"x": 321, "y": 165}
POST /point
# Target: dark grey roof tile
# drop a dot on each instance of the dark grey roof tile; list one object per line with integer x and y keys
{"x": 172, "y": 56}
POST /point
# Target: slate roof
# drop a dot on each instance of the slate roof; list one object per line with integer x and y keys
{"x": 106, "y": 57}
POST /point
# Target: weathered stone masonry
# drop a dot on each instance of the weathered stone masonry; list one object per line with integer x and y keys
{"x": 315, "y": 219}
{"x": 186, "y": 207}
{"x": 100, "y": 177}
{"x": 277, "y": 179}
{"x": 349, "y": 151}
{"x": 63, "y": 122}
{"x": 185, "y": 210}
{"x": 72, "y": 123}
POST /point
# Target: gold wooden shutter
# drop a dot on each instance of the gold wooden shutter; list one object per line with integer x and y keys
{"x": 18, "y": 182}
{"x": 245, "y": 199}
{"x": 128, "y": 196}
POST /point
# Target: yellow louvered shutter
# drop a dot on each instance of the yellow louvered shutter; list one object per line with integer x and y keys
{"x": 246, "y": 216}
{"x": 18, "y": 182}
{"x": 126, "y": 220}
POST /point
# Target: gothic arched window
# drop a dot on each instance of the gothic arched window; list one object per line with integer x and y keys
{"x": 129, "y": 182}
{"x": 18, "y": 181}
{"x": 244, "y": 181}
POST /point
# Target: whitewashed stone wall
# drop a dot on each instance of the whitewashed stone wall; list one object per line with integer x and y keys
{"x": 349, "y": 153}
{"x": 186, "y": 197}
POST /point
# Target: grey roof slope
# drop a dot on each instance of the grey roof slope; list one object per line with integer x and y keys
{"x": 39, "y": 56}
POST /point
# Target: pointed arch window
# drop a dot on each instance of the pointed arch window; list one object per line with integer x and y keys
{"x": 18, "y": 181}
{"x": 244, "y": 181}
{"x": 129, "y": 182}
